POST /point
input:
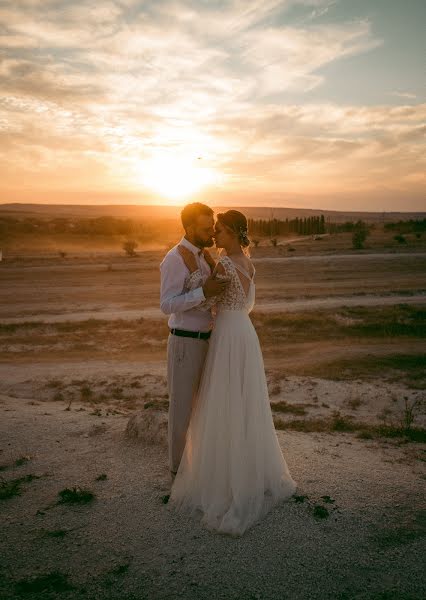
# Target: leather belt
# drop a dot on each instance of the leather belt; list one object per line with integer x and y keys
{"x": 201, "y": 335}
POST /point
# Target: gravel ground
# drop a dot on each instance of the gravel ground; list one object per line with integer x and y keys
{"x": 128, "y": 544}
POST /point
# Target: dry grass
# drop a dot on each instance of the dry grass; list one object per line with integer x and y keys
{"x": 91, "y": 336}
{"x": 344, "y": 423}
{"x": 285, "y": 407}
{"x": 358, "y": 322}
{"x": 409, "y": 369}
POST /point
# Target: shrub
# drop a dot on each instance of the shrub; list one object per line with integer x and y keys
{"x": 75, "y": 495}
{"x": 129, "y": 247}
{"x": 400, "y": 239}
{"x": 360, "y": 233}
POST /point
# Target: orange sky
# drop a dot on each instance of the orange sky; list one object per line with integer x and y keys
{"x": 294, "y": 103}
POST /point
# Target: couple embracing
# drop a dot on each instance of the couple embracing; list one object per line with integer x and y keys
{"x": 224, "y": 456}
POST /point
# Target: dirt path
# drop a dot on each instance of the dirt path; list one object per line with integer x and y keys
{"x": 279, "y": 306}
{"x": 332, "y": 257}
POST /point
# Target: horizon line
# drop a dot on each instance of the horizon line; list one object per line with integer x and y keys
{"x": 177, "y": 207}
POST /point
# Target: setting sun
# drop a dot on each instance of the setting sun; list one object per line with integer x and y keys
{"x": 176, "y": 178}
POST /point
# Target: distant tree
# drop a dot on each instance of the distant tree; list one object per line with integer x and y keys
{"x": 62, "y": 254}
{"x": 400, "y": 239}
{"x": 274, "y": 242}
{"x": 255, "y": 242}
{"x": 129, "y": 247}
{"x": 359, "y": 235}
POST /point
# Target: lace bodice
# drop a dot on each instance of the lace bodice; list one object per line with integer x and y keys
{"x": 234, "y": 298}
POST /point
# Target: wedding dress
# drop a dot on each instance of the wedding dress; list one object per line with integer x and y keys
{"x": 232, "y": 470}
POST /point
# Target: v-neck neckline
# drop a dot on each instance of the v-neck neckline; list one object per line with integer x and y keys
{"x": 246, "y": 295}
{"x": 242, "y": 270}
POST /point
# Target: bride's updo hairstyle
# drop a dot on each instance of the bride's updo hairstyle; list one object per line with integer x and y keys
{"x": 237, "y": 222}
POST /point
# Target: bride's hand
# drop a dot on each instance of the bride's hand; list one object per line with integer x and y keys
{"x": 188, "y": 258}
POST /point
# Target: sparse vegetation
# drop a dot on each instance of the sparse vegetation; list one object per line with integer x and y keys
{"x": 411, "y": 409}
{"x": 285, "y": 407}
{"x": 406, "y": 368}
{"x": 54, "y": 383}
{"x": 76, "y": 495}
{"x": 56, "y": 533}
{"x": 22, "y": 460}
{"x": 344, "y": 423}
{"x": 129, "y": 247}
{"x": 400, "y": 239}
{"x": 159, "y": 404}
{"x": 86, "y": 393}
{"x": 42, "y": 584}
{"x": 341, "y": 422}
{"x": 12, "y": 487}
{"x": 321, "y": 512}
{"x": 356, "y": 322}
{"x": 360, "y": 233}
{"x": 9, "y": 489}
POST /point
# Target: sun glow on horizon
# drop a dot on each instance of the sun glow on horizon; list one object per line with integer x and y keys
{"x": 176, "y": 178}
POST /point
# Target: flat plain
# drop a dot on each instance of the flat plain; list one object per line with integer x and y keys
{"x": 83, "y": 348}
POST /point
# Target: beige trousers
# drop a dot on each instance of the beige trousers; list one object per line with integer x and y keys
{"x": 185, "y": 361}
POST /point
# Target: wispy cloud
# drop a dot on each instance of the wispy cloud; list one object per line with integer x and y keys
{"x": 406, "y": 95}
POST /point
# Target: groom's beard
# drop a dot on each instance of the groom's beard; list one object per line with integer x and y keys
{"x": 204, "y": 243}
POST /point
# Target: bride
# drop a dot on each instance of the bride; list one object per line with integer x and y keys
{"x": 232, "y": 470}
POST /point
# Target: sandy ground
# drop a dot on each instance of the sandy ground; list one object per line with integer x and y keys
{"x": 128, "y": 544}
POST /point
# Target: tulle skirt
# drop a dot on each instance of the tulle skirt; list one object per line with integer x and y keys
{"x": 232, "y": 470}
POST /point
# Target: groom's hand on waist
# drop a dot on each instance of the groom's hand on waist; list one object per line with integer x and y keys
{"x": 214, "y": 287}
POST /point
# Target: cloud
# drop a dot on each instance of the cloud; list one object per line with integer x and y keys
{"x": 102, "y": 86}
{"x": 407, "y": 95}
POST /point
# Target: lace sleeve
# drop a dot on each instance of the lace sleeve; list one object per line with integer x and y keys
{"x": 195, "y": 280}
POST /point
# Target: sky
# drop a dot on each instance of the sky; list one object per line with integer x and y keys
{"x": 299, "y": 103}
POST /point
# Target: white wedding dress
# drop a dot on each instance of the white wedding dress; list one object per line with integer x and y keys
{"x": 232, "y": 470}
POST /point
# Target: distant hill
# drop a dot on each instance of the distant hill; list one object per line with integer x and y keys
{"x": 50, "y": 211}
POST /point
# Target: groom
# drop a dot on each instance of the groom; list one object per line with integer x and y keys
{"x": 190, "y": 329}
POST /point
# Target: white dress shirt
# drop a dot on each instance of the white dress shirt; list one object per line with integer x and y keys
{"x": 176, "y": 297}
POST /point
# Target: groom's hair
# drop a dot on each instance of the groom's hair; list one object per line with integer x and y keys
{"x": 191, "y": 212}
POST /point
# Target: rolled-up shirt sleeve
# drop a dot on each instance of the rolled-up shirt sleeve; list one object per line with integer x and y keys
{"x": 173, "y": 296}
